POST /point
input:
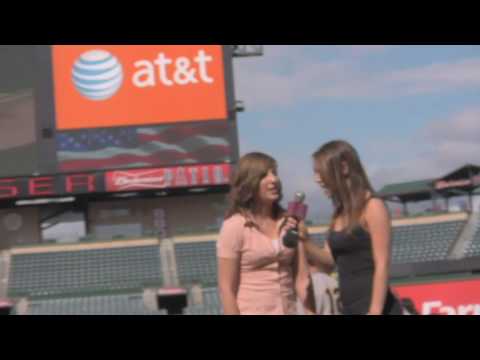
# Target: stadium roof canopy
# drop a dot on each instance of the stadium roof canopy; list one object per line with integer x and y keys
{"x": 464, "y": 172}
{"x": 408, "y": 191}
{"x": 462, "y": 181}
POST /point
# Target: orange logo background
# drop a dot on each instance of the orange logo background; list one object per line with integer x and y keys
{"x": 133, "y": 106}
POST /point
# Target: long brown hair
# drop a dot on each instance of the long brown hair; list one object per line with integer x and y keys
{"x": 252, "y": 168}
{"x": 342, "y": 173}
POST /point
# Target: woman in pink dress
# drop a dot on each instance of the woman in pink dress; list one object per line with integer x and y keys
{"x": 258, "y": 275}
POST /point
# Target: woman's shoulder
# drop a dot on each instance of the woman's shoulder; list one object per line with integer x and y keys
{"x": 375, "y": 204}
{"x": 376, "y": 210}
{"x": 235, "y": 221}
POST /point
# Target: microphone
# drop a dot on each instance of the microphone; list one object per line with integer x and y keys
{"x": 298, "y": 210}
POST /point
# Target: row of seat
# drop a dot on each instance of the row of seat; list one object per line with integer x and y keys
{"x": 133, "y": 267}
{"x": 123, "y": 304}
{"x": 119, "y": 304}
{"x": 86, "y": 270}
{"x": 425, "y": 242}
{"x": 474, "y": 248}
{"x": 197, "y": 263}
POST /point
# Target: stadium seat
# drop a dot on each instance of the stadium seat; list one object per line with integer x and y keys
{"x": 474, "y": 248}
{"x": 71, "y": 272}
{"x": 424, "y": 242}
{"x": 197, "y": 263}
{"x": 117, "y": 304}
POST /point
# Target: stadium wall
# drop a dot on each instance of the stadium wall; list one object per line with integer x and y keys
{"x": 166, "y": 217}
{"x": 19, "y": 226}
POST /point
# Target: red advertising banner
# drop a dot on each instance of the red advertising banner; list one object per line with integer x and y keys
{"x": 168, "y": 178}
{"x": 457, "y": 297}
{"x": 113, "y": 181}
{"x": 48, "y": 186}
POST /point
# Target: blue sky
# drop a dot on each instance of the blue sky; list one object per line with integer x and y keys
{"x": 412, "y": 112}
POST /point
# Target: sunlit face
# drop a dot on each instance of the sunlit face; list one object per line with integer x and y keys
{"x": 319, "y": 180}
{"x": 270, "y": 188}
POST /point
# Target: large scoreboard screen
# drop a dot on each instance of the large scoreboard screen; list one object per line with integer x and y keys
{"x": 72, "y": 116}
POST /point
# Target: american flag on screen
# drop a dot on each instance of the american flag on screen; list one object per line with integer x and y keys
{"x": 143, "y": 147}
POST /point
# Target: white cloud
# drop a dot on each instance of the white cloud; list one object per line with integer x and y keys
{"x": 287, "y": 74}
{"x": 461, "y": 127}
{"x": 438, "y": 77}
{"x": 284, "y": 52}
{"x": 449, "y": 144}
{"x": 363, "y": 50}
{"x": 272, "y": 124}
{"x": 446, "y": 145}
{"x": 456, "y": 140}
{"x": 283, "y": 82}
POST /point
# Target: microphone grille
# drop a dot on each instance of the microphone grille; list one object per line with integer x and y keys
{"x": 299, "y": 196}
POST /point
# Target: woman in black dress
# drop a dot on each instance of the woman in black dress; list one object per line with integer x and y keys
{"x": 359, "y": 242}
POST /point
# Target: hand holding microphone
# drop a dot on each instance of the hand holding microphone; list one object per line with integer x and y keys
{"x": 297, "y": 210}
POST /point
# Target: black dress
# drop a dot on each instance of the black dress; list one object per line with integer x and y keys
{"x": 353, "y": 254}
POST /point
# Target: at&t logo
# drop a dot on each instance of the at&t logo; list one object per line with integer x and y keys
{"x": 97, "y": 75}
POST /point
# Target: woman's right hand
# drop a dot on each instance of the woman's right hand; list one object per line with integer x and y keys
{"x": 319, "y": 256}
{"x": 288, "y": 223}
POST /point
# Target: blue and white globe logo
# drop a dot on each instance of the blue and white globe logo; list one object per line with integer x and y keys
{"x": 97, "y": 75}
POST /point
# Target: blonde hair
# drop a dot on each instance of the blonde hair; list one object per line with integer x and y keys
{"x": 349, "y": 189}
